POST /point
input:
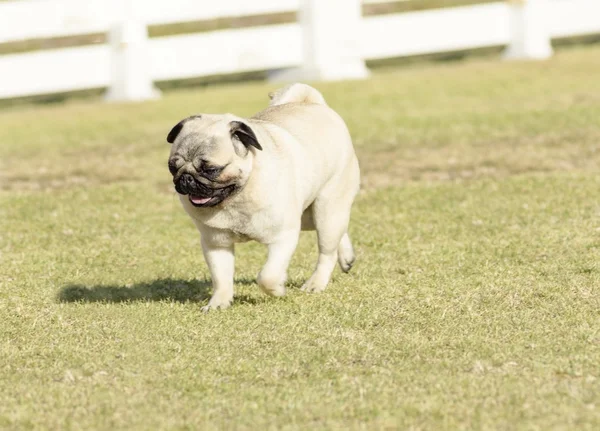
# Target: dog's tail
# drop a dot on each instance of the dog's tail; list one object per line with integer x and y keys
{"x": 296, "y": 93}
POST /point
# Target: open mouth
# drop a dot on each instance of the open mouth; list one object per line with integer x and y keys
{"x": 200, "y": 201}
{"x": 218, "y": 196}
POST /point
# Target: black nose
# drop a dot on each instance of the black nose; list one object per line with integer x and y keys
{"x": 187, "y": 181}
{"x": 185, "y": 184}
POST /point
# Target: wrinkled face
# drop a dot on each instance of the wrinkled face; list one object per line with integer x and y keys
{"x": 211, "y": 157}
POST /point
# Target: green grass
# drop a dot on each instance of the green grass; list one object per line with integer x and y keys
{"x": 474, "y": 302}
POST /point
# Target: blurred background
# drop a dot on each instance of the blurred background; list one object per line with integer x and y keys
{"x": 129, "y": 49}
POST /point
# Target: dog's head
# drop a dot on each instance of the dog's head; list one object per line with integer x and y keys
{"x": 211, "y": 157}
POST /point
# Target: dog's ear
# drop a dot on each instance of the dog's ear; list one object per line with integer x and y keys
{"x": 175, "y": 131}
{"x": 245, "y": 134}
{"x": 177, "y": 128}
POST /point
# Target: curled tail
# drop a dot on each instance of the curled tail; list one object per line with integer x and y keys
{"x": 296, "y": 93}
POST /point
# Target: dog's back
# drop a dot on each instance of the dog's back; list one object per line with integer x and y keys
{"x": 303, "y": 128}
{"x": 302, "y": 112}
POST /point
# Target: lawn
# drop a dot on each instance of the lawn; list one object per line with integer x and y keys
{"x": 474, "y": 302}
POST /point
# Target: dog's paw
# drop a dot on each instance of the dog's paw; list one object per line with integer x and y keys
{"x": 346, "y": 264}
{"x": 272, "y": 286}
{"x": 273, "y": 289}
{"x": 346, "y": 255}
{"x": 217, "y": 304}
{"x": 313, "y": 286}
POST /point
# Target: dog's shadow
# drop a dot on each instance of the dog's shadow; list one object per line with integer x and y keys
{"x": 166, "y": 289}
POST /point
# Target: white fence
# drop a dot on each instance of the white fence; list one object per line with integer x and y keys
{"x": 330, "y": 40}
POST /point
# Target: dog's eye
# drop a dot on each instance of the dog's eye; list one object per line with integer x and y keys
{"x": 172, "y": 166}
{"x": 211, "y": 170}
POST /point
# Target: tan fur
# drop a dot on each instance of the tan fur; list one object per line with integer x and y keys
{"x": 296, "y": 93}
{"x": 306, "y": 177}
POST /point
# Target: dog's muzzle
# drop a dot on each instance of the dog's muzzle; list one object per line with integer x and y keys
{"x": 186, "y": 184}
{"x": 199, "y": 194}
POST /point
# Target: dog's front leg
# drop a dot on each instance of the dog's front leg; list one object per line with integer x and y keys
{"x": 220, "y": 260}
{"x": 273, "y": 275}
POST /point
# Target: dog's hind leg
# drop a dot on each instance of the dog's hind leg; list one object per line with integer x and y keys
{"x": 331, "y": 224}
{"x": 331, "y": 215}
{"x": 346, "y": 255}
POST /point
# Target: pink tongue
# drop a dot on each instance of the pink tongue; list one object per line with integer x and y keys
{"x": 199, "y": 201}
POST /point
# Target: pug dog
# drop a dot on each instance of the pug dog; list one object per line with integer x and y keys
{"x": 290, "y": 167}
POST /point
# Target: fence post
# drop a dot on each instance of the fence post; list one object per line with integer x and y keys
{"x": 331, "y": 36}
{"x": 529, "y": 35}
{"x": 128, "y": 39}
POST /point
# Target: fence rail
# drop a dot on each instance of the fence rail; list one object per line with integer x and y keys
{"x": 282, "y": 46}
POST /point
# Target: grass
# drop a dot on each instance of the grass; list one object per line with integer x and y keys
{"x": 474, "y": 302}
